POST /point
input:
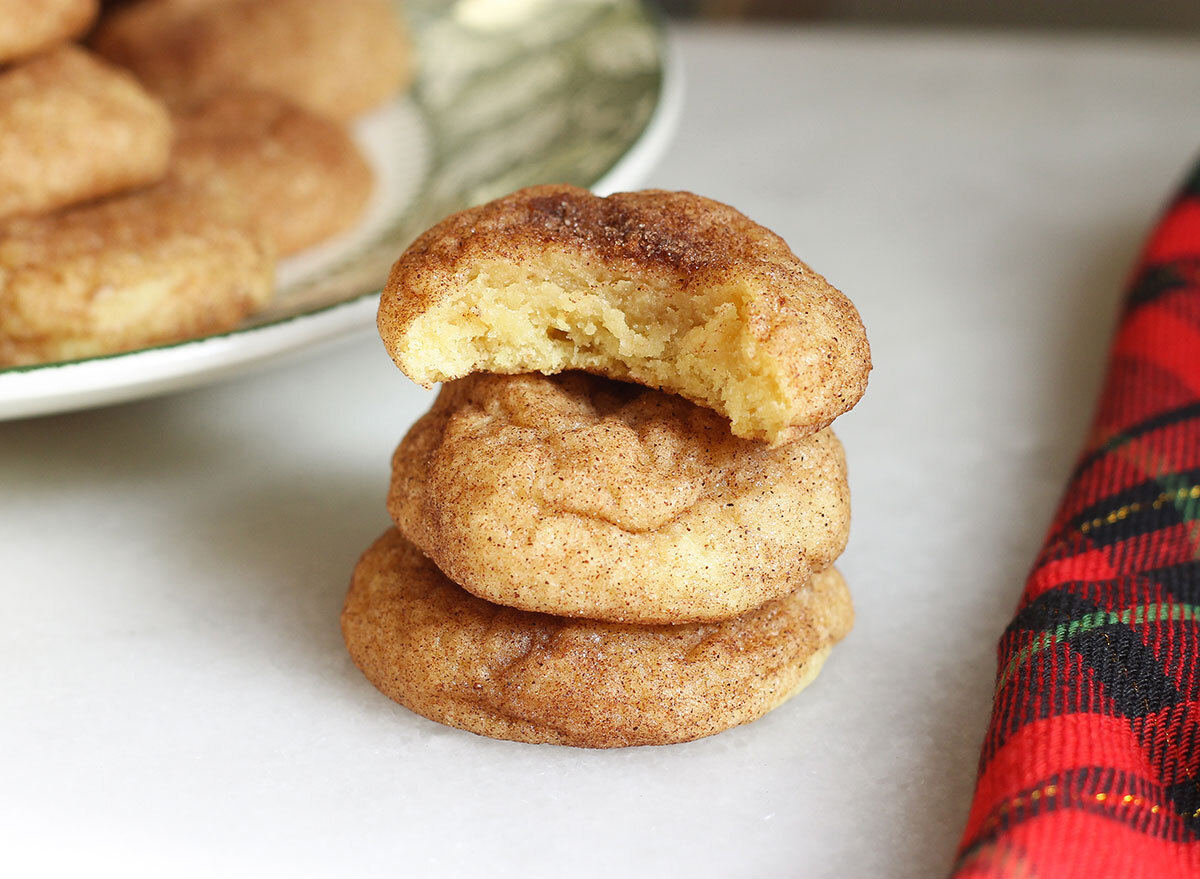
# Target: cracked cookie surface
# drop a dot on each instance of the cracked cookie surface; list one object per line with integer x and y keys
{"x": 581, "y": 496}
{"x": 530, "y": 677}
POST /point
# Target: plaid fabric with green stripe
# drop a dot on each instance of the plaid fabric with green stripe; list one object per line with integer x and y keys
{"x": 1091, "y": 766}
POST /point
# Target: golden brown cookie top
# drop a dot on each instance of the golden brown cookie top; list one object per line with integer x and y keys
{"x": 259, "y": 158}
{"x": 668, "y": 289}
{"x": 128, "y": 223}
{"x": 233, "y": 117}
{"x": 31, "y": 26}
{"x": 335, "y": 58}
{"x": 653, "y": 229}
{"x": 124, "y": 272}
{"x": 73, "y": 128}
{"x": 601, "y": 449}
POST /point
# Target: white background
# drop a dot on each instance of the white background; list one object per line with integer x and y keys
{"x": 176, "y": 698}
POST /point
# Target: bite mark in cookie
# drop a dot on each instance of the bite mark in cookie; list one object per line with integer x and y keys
{"x": 668, "y": 289}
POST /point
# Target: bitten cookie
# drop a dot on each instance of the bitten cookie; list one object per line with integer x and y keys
{"x": 130, "y": 271}
{"x": 528, "y": 677}
{"x": 297, "y": 177}
{"x": 73, "y": 128}
{"x": 333, "y": 57}
{"x": 668, "y": 289}
{"x": 585, "y": 497}
{"x": 30, "y": 26}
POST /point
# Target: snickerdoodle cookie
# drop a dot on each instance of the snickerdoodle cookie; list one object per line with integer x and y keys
{"x": 333, "y": 57}
{"x": 530, "y": 677}
{"x": 134, "y": 270}
{"x": 297, "y": 177}
{"x": 585, "y": 497}
{"x": 72, "y": 127}
{"x": 668, "y": 289}
{"x": 29, "y": 26}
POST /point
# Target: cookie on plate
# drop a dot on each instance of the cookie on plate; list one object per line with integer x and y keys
{"x": 297, "y": 177}
{"x": 510, "y": 674}
{"x": 73, "y": 127}
{"x": 122, "y": 273}
{"x": 668, "y": 289}
{"x": 337, "y": 58}
{"x": 581, "y": 496}
{"x": 30, "y": 26}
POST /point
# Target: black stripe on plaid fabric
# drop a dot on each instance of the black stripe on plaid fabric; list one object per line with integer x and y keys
{"x": 1158, "y": 421}
{"x": 1185, "y": 796}
{"x": 1133, "y": 678}
{"x": 1151, "y": 505}
{"x": 1178, "y": 759}
{"x": 1157, "y": 280}
{"x": 1052, "y": 608}
{"x": 1181, "y": 581}
{"x": 1132, "y": 675}
{"x": 1191, "y": 186}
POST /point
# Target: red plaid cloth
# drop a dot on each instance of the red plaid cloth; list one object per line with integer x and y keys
{"x": 1091, "y": 766}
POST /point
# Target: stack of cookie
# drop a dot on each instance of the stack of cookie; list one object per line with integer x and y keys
{"x": 146, "y": 189}
{"x": 617, "y": 524}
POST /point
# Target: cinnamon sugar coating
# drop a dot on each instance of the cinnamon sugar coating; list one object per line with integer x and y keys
{"x": 580, "y": 496}
{"x": 134, "y": 270}
{"x": 668, "y": 289}
{"x": 529, "y": 677}
{"x": 335, "y": 58}
{"x": 72, "y": 128}
{"x": 31, "y": 26}
{"x": 260, "y": 159}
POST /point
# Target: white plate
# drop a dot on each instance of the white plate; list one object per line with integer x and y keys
{"x": 508, "y": 94}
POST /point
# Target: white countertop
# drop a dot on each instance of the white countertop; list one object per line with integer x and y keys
{"x": 176, "y": 696}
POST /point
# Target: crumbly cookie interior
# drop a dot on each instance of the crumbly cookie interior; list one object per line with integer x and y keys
{"x": 557, "y": 313}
